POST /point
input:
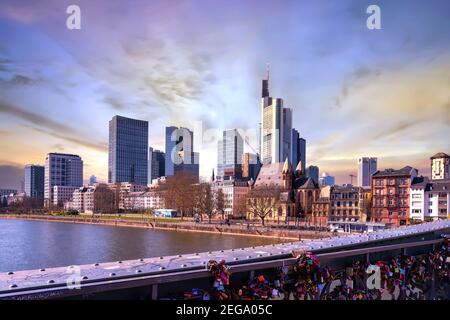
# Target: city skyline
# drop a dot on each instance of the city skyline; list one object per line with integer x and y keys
{"x": 381, "y": 93}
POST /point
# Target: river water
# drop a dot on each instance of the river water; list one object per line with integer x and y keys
{"x": 40, "y": 244}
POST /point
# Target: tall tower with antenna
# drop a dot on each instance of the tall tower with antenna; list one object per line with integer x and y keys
{"x": 265, "y": 83}
{"x": 276, "y": 125}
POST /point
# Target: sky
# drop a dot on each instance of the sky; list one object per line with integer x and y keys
{"x": 354, "y": 91}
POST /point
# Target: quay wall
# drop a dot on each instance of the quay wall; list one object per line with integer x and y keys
{"x": 241, "y": 230}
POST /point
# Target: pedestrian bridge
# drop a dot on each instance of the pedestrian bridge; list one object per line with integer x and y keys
{"x": 153, "y": 277}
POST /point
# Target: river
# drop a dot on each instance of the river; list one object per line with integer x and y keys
{"x": 40, "y": 244}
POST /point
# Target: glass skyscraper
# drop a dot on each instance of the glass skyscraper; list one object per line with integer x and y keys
{"x": 313, "y": 173}
{"x": 34, "y": 182}
{"x": 276, "y": 125}
{"x": 180, "y": 155}
{"x": 229, "y": 154}
{"x": 366, "y": 167}
{"x": 156, "y": 164}
{"x": 128, "y": 150}
{"x": 298, "y": 151}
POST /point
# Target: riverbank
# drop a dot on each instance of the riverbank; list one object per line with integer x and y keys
{"x": 237, "y": 230}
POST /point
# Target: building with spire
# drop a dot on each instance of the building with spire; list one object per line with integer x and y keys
{"x": 276, "y": 127}
{"x": 295, "y": 192}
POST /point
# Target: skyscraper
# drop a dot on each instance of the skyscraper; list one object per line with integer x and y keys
{"x": 326, "y": 180}
{"x": 92, "y": 180}
{"x": 298, "y": 150}
{"x": 229, "y": 155}
{"x": 128, "y": 150}
{"x": 34, "y": 182}
{"x": 156, "y": 164}
{"x": 250, "y": 165}
{"x": 302, "y": 151}
{"x": 313, "y": 173}
{"x": 180, "y": 155}
{"x": 62, "y": 170}
{"x": 366, "y": 167}
{"x": 276, "y": 135}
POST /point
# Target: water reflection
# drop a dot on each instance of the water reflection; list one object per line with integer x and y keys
{"x": 37, "y": 244}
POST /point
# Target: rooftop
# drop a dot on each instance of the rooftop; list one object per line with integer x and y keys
{"x": 440, "y": 155}
{"x": 405, "y": 171}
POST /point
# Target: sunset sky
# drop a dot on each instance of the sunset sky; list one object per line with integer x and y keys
{"x": 199, "y": 63}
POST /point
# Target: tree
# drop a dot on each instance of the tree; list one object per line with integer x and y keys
{"x": 72, "y": 212}
{"x": 204, "y": 200}
{"x": 240, "y": 205}
{"x": 262, "y": 201}
{"x": 179, "y": 192}
{"x": 104, "y": 199}
{"x": 4, "y": 202}
{"x": 220, "y": 203}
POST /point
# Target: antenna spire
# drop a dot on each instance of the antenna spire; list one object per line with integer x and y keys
{"x": 267, "y": 71}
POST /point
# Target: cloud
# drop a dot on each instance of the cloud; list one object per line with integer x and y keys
{"x": 11, "y": 176}
{"x": 50, "y": 127}
{"x": 58, "y": 147}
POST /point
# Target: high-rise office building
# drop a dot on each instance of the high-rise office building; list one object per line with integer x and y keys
{"x": 302, "y": 150}
{"x": 313, "y": 173}
{"x": 366, "y": 167}
{"x": 180, "y": 155}
{"x": 61, "y": 170}
{"x": 128, "y": 150}
{"x": 156, "y": 164}
{"x": 92, "y": 180}
{"x": 34, "y": 182}
{"x": 287, "y": 134}
{"x": 276, "y": 135}
{"x": 229, "y": 155}
{"x": 298, "y": 150}
{"x": 326, "y": 180}
{"x": 250, "y": 165}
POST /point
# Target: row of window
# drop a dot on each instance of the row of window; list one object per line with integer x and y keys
{"x": 345, "y": 204}
{"x": 391, "y": 182}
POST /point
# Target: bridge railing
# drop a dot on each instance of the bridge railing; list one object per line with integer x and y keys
{"x": 154, "y": 280}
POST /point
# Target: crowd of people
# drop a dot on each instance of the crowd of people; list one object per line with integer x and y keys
{"x": 423, "y": 277}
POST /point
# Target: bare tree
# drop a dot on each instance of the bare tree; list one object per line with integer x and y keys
{"x": 104, "y": 199}
{"x": 207, "y": 200}
{"x": 220, "y": 203}
{"x": 262, "y": 201}
{"x": 240, "y": 205}
{"x": 178, "y": 192}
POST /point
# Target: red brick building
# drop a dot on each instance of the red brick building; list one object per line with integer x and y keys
{"x": 390, "y": 191}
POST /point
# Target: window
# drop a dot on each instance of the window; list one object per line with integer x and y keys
{"x": 417, "y": 196}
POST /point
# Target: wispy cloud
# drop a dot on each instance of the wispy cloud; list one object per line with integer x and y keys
{"x": 49, "y": 126}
